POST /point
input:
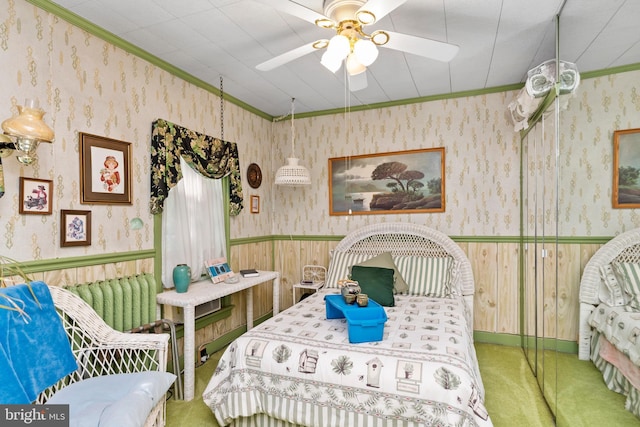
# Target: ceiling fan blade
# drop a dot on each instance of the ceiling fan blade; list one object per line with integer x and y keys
{"x": 296, "y": 10}
{"x": 428, "y": 48}
{"x": 379, "y": 8}
{"x": 287, "y": 57}
{"x": 357, "y": 82}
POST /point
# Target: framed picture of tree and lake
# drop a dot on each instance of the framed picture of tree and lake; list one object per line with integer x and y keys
{"x": 626, "y": 168}
{"x": 383, "y": 183}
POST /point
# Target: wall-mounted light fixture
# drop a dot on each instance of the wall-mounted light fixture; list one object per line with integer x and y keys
{"x": 24, "y": 132}
{"x": 540, "y": 81}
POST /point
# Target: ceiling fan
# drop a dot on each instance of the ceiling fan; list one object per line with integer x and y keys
{"x": 351, "y": 44}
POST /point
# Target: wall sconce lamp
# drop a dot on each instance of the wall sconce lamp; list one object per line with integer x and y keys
{"x": 24, "y": 132}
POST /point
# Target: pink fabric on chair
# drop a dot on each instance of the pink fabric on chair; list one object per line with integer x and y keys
{"x": 614, "y": 356}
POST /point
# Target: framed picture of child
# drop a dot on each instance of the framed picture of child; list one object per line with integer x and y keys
{"x": 105, "y": 170}
{"x": 35, "y": 196}
{"x": 75, "y": 228}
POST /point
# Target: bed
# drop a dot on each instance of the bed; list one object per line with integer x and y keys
{"x": 610, "y": 315}
{"x": 299, "y": 368}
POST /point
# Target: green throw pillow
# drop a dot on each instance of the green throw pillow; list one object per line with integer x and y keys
{"x": 376, "y": 282}
{"x": 385, "y": 260}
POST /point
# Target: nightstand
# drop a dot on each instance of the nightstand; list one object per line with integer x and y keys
{"x": 313, "y": 277}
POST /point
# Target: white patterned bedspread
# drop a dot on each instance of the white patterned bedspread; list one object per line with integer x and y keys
{"x": 621, "y": 327}
{"x": 300, "y": 367}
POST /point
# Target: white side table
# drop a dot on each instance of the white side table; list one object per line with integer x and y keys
{"x": 205, "y": 291}
{"x": 313, "y": 278}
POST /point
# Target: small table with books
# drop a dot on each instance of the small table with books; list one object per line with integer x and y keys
{"x": 204, "y": 291}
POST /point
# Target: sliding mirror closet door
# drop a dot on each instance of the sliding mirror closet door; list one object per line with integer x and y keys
{"x": 549, "y": 255}
{"x": 539, "y": 248}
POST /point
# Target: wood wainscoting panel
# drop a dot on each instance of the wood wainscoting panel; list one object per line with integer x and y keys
{"x": 483, "y": 258}
{"x": 287, "y": 255}
{"x": 495, "y": 269}
{"x": 568, "y": 307}
{"x": 508, "y": 307}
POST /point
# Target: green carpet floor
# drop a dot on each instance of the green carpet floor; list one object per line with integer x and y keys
{"x": 512, "y": 394}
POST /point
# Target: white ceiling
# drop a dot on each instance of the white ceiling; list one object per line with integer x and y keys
{"x": 499, "y": 40}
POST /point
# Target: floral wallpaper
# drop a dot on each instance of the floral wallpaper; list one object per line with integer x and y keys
{"x": 481, "y": 164}
{"x": 88, "y": 85}
{"x": 482, "y": 155}
{"x": 601, "y": 106}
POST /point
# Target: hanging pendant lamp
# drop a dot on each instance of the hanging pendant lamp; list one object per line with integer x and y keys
{"x": 293, "y": 174}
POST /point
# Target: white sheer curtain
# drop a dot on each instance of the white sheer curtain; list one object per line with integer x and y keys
{"x": 192, "y": 224}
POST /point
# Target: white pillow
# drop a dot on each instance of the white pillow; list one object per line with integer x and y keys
{"x": 425, "y": 275}
{"x": 120, "y": 400}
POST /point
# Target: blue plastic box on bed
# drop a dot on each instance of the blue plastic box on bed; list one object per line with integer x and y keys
{"x": 364, "y": 324}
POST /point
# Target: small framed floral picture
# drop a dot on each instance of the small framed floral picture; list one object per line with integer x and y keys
{"x": 35, "y": 196}
{"x": 75, "y": 228}
{"x": 255, "y": 204}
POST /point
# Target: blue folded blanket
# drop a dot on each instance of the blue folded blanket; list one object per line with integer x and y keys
{"x": 34, "y": 348}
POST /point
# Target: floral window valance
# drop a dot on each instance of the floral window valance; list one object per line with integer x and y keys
{"x": 211, "y": 157}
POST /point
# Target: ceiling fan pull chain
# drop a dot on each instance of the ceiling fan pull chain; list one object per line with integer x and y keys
{"x": 221, "y": 110}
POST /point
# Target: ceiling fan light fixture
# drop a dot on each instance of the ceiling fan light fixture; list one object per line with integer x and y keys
{"x": 366, "y": 51}
{"x": 330, "y": 63}
{"x": 354, "y": 66}
{"x": 339, "y": 47}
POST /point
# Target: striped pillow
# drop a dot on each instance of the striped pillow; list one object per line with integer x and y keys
{"x": 340, "y": 266}
{"x": 628, "y": 275}
{"x": 610, "y": 291}
{"x": 426, "y": 276}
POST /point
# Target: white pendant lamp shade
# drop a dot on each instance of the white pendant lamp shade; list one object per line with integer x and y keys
{"x": 339, "y": 47}
{"x": 293, "y": 174}
{"x": 330, "y": 62}
{"x": 366, "y": 51}
{"x": 354, "y": 66}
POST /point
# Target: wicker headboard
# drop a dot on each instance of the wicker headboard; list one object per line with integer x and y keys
{"x": 622, "y": 248}
{"x": 402, "y": 238}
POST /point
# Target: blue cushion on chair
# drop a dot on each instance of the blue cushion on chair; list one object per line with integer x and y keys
{"x": 34, "y": 348}
{"x": 121, "y": 400}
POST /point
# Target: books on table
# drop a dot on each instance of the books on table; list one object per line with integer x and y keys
{"x": 251, "y": 272}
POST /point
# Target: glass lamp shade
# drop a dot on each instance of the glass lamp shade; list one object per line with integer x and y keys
{"x": 569, "y": 78}
{"x": 339, "y": 47}
{"x": 354, "y": 66}
{"x": 28, "y": 124}
{"x": 28, "y": 129}
{"x": 293, "y": 174}
{"x": 366, "y": 51}
{"x": 330, "y": 62}
{"x": 541, "y": 79}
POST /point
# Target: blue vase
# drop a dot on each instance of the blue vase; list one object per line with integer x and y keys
{"x": 181, "y": 277}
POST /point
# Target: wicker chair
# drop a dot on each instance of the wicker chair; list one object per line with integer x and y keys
{"x": 100, "y": 350}
{"x": 623, "y": 248}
